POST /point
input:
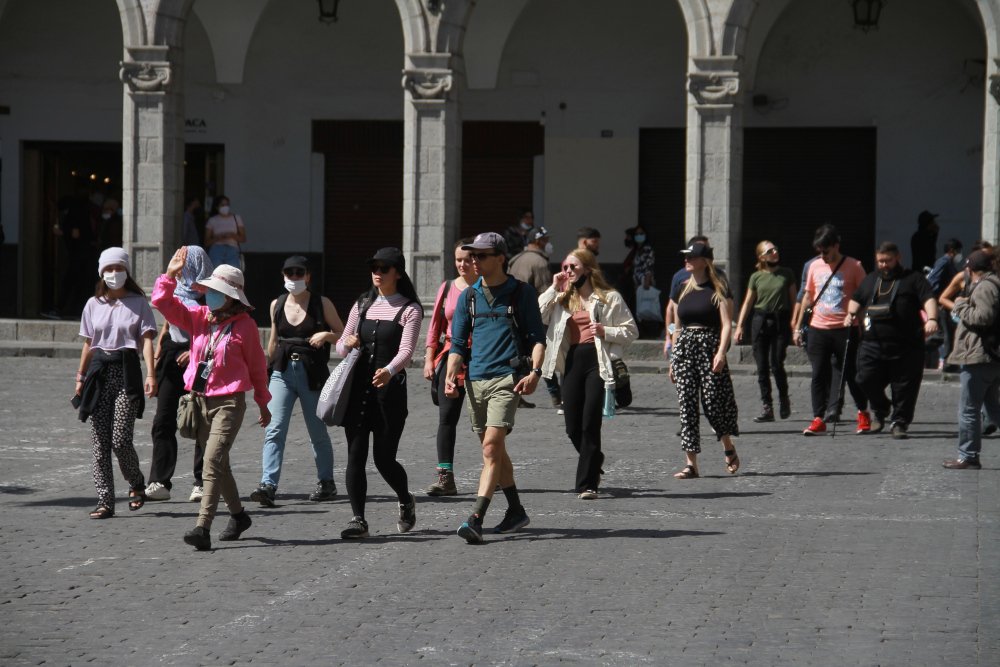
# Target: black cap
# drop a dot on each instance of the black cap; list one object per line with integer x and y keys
{"x": 698, "y": 250}
{"x": 296, "y": 262}
{"x": 488, "y": 241}
{"x": 926, "y": 217}
{"x": 538, "y": 233}
{"x": 390, "y": 256}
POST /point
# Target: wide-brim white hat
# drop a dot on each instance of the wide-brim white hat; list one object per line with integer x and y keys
{"x": 228, "y": 280}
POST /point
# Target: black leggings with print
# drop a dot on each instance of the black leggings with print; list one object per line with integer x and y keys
{"x": 692, "y": 365}
{"x": 112, "y": 425}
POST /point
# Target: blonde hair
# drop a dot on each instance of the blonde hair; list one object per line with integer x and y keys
{"x": 719, "y": 286}
{"x": 570, "y": 299}
{"x": 761, "y": 262}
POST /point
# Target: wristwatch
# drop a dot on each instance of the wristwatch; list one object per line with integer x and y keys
{"x": 537, "y": 371}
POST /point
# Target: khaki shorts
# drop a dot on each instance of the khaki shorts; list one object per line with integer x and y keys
{"x": 492, "y": 403}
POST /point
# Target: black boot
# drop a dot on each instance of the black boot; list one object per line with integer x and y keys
{"x": 238, "y": 523}
{"x": 199, "y": 538}
{"x": 766, "y": 414}
{"x": 784, "y": 407}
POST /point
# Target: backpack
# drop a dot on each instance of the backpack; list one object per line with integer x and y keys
{"x": 522, "y": 362}
{"x": 990, "y": 333}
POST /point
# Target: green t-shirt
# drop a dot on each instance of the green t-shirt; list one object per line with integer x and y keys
{"x": 772, "y": 289}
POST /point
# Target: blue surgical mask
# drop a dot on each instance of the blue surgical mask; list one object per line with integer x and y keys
{"x": 214, "y": 299}
{"x": 640, "y": 238}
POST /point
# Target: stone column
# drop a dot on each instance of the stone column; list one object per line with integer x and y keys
{"x": 432, "y": 156}
{"x": 715, "y": 158}
{"x": 152, "y": 158}
{"x": 991, "y": 159}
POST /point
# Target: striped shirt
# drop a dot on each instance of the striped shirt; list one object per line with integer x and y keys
{"x": 385, "y": 309}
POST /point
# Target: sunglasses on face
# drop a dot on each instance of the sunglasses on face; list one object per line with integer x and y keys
{"x": 295, "y": 273}
{"x": 575, "y": 268}
{"x": 480, "y": 256}
{"x": 771, "y": 251}
{"x": 381, "y": 268}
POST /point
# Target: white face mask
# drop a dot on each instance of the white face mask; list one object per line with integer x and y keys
{"x": 115, "y": 279}
{"x": 295, "y": 287}
{"x": 224, "y": 210}
{"x": 106, "y": 216}
{"x": 548, "y": 248}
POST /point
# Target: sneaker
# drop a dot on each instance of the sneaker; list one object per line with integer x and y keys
{"x": 556, "y": 402}
{"x": 784, "y": 407}
{"x": 199, "y": 538}
{"x": 264, "y": 494}
{"x": 472, "y": 530}
{"x": 356, "y": 529}
{"x": 766, "y": 415}
{"x": 878, "y": 425}
{"x": 156, "y": 491}
{"x": 445, "y": 484}
{"x": 197, "y": 491}
{"x": 589, "y": 494}
{"x": 864, "y": 422}
{"x": 238, "y": 523}
{"x": 513, "y": 521}
{"x": 899, "y": 431}
{"x": 560, "y": 411}
{"x": 407, "y": 515}
{"x": 326, "y": 489}
{"x": 815, "y": 427}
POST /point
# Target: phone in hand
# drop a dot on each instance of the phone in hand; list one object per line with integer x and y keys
{"x": 76, "y": 401}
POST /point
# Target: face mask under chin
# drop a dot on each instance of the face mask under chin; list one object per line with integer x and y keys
{"x": 578, "y": 283}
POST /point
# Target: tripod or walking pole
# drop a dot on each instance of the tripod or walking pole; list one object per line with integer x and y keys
{"x": 843, "y": 379}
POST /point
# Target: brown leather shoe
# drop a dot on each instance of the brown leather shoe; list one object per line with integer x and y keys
{"x": 962, "y": 464}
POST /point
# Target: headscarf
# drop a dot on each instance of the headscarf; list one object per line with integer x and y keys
{"x": 197, "y": 267}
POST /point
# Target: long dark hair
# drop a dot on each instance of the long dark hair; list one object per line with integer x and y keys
{"x": 101, "y": 289}
{"x": 403, "y": 285}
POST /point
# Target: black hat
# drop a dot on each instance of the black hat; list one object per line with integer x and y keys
{"x": 538, "y": 233}
{"x": 488, "y": 241}
{"x": 698, "y": 250}
{"x": 390, "y": 256}
{"x": 296, "y": 262}
{"x": 979, "y": 261}
{"x": 926, "y": 217}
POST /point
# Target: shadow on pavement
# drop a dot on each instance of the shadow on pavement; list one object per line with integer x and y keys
{"x": 531, "y": 534}
{"x": 709, "y": 495}
{"x": 415, "y": 536}
{"x": 815, "y": 473}
{"x": 17, "y": 490}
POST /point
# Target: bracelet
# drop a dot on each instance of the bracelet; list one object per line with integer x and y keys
{"x": 79, "y": 377}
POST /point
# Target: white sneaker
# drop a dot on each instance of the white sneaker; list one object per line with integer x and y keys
{"x": 560, "y": 411}
{"x": 196, "y": 493}
{"x": 589, "y": 494}
{"x": 156, "y": 491}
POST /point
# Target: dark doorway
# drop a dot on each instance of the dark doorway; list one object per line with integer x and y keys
{"x": 662, "y": 181}
{"x": 497, "y": 173}
{"x": 204, "y": 178}
{"x": 796, "y": 179}
{"x": 363, "y": 203}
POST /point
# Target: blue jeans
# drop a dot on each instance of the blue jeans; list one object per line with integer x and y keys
{"x": 285, "y": 387}
{"x": 220, "y": 253}
{"x": 980, "y": 391}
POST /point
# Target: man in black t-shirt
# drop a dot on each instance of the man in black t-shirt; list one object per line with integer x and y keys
{"x": 892, "y": 301}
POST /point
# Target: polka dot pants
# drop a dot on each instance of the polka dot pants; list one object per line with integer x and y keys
{"x": 692, "y": 364}
{"x": 112, "y": 425}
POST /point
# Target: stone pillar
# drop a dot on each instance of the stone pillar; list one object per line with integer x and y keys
{"x": 991, "y": 159}
{"x": 432, "y": 157}
{"x": 152, "y": 158}
{"x": 715, "y": 158}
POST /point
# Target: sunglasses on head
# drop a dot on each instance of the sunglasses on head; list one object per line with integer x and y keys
{"x": 381, "y": 268}
{"x": 295, "y": 273}
{"x": 571, "y": 267}
{"x": 480, "y": 256}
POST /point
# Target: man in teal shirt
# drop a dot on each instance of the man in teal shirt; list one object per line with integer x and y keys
{"x": 502, "y": 330}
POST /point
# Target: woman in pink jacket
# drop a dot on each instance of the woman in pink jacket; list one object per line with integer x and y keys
{"x": 227, "y": 360}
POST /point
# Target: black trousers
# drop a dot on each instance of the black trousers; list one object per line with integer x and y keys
{"x": 770, "y": 334}
{"x": 898, "y": 366}
{"x": 449, "y": 411}
{"x": 583, "y": 402}
{"x": 170, "y": 378}
{"x": 827, "y": 349}
{"x": 380, "y": 414}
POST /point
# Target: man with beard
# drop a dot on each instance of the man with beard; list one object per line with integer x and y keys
{"x": 890, "y": 300}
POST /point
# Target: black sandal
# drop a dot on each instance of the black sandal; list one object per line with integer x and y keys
{"x": 102, "y": 512}
{"x": 136, "y": 499}
{"x": 732, "y": 461}
{"x": 689, "y": 472}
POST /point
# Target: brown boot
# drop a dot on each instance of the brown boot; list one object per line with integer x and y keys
{"x": 445, "y": 484}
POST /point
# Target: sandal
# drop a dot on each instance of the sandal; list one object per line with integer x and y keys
{"x": 732, "y": 461}
{"x": 136, "y": 499}
{"x": 102, "y": 512}
{"x": 689, "y": 472}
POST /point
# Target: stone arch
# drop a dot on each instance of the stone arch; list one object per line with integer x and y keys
{"x": 133, "y": 22}
{"x": 160, "y": 23}
{"x": 415, "y": 29}
{"x": 699, "y": 22}
{"x": 991, "y": 23}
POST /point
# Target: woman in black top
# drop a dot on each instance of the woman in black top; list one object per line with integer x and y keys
{"x": 703, "y": 322}
{"x": 303, "y": 326}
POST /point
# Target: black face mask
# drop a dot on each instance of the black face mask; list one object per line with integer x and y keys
{"x": 578, "y": 283}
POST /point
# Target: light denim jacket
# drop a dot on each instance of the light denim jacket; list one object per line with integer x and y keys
{"x": 619, "y": 331}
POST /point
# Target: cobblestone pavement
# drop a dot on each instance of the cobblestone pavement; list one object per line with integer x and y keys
{"x": 827, "y": 551}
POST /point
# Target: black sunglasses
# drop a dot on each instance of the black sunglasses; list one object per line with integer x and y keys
{"x": 771, "y": 251}
{"x": 480, "y": 256}
{"x": 571, "y": 267}
{"x": 381, "y": 268}
{"x": 295, "y": 273}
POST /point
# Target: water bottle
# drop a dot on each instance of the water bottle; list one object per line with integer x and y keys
{"x": 609, "y": 403}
